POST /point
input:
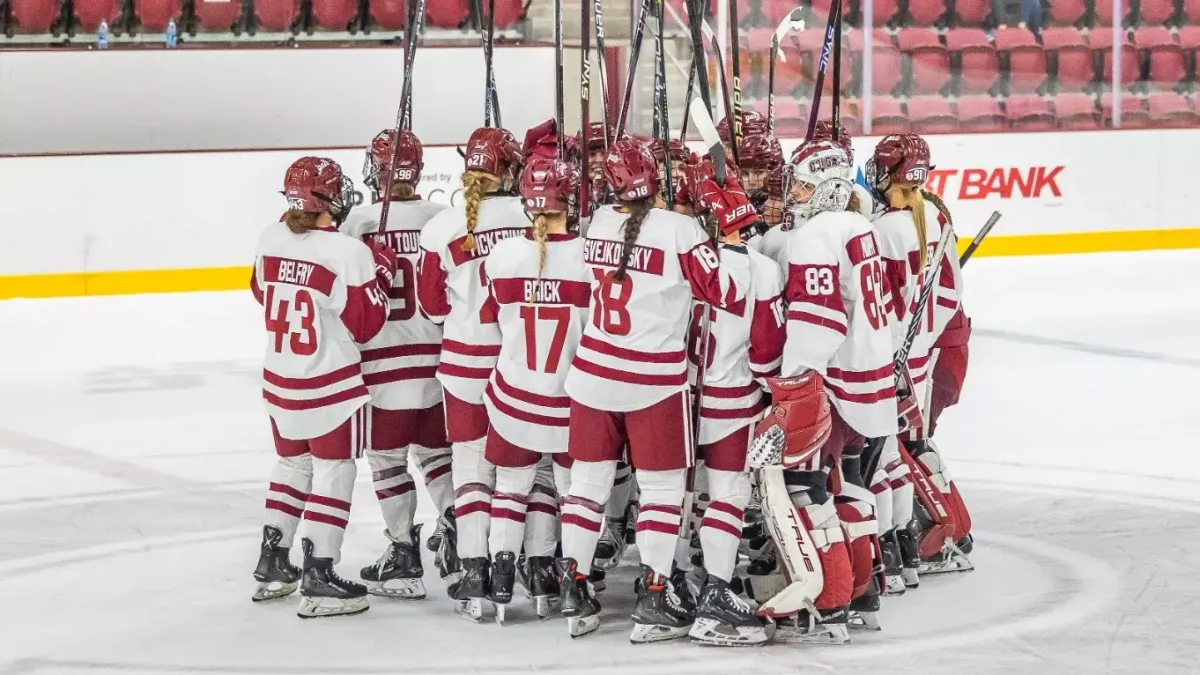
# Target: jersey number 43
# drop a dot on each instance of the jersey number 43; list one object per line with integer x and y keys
{"x": 302, "y": 340}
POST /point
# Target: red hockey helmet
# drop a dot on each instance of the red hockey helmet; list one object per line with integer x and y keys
{"x": 898, "y": 159}
{"x": 317, "y": 185}
{"x": 596, "y": 137}
{"x": 679, "y": 151}
{"x": 630, "y": 170}
{"x": 410, "y": 159}
{"x": 493, "y": 151}
{"x": 760, "y": 152}
{"x": 549, "y": 185}
{"x": 824, "y": 132}
{"x": 754, "y": 123}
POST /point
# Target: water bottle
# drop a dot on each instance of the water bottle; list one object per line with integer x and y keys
{"x": 172, "y": 37}
{"x": 102, "y": 35}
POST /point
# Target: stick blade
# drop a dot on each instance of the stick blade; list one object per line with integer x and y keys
{"x": 712, "y": 139}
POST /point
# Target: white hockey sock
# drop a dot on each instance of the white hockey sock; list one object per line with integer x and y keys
{"x": 435, "y": 468}
{"x": 721, "y": 528}
{"x": 659, "y": 517}
{"x": 562, "y": 481}
{"x": 474, "y": 480}
{"x": 882, "y": 490}
{"x": 509, "y": 506}
{"x": 395, "y": 490}
{"x": 541, "y": 521}
{"x": 291, "y": 481}
{"x": 328, "y": 507}
{"x": 622, "y": 492}
{"x": 583, "y": 509}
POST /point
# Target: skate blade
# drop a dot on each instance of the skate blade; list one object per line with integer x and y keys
{"x": 398, "y": 589}
{"x": 578, "y": 626}
{"x": 709, "y": 632}
{"x": 895, "y": 586}
{"x": 598, "y": 586}
{"x": 273, "y": 590}
{"x": 956, "y": 563}
{"x": 543, "y": 605}
{"x": 911, "y": 577}
{"x": 867, "y": 621}
{"x": 433, "y": 543}
{"x": 818, "y": 637}
{"x": 500, "y": 610}
{"x": 471, "y": 610}
{"x": 645, "y": 633}
{"x": 318, "y": 608}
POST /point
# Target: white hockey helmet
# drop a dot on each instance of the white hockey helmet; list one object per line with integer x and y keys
{"x": 827, "y": 168}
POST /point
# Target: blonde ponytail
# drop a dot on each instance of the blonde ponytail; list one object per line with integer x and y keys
{"x": 476, "y": 185}
{"x": 541, "y": 234}
{"x": 911, "y": 197}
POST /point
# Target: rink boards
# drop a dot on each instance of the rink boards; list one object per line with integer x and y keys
{"x": 154, "y": 222}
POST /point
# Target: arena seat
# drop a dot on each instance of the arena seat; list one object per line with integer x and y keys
{"x": 217, "y": 16}
{"x": 1133, "y": 111}
{"x": 1076, "y": 111}
{"x": 448, "y": 13}
{"x": 1076, "y": 67}
{"x": 276, "y": 15}
{"x": 932, "y": 115}
{"x": 980, "y": 113}
{"x": 1029, "y": 112}
{"x": 926, "y": 12}
{"x": 978, "y": 63}
{"x": 1155, "y": 12}
{"x": 1191, "y": 12}
{"x": 971, "y": 13}
{"x": 887, "y": 116}
{"x": 154, "y": 15}
{"x": 89, "y": 13}
{"x": 1066, "y": 12}
{"x": 388, "y": 14}
{"x": 1026, "y": 59}
{"x": 33, "y": 16}
{"x": 334, "y": 15}
{"x": 508, "y": 13}
{"x": 1101, "y": 42}
{"x": 1167, "y": 107}
{"x": 929, "y": 58}
{"x": 1103, "y": 17}
{"x": 1167, "y": 65}
{"x": 759, "y": 40}
{"x": 886, "y": 71}
{"x": 882, "y": 11}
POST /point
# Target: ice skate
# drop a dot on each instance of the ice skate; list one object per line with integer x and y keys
{"x": 541, "y": 584}
{"x": 323, "y": 593}
{"x": 724, "y": 619}
{"x": 892, "y": 566}
{"x": 864, "y": 610}
{"x": 501, "y": 579}
{"x": 398, "y": 573}
{"x": 659, "y": 614}
{"x": 806, "y": 628}
{"x": 277, "y": 577}
{"x": 434, "y": 543}
{"x": 611, "y": 545}
{"x": 468, "y": 589}
{"x": 579, "y": 604}
{"x": 908, "y": 540}
{"x": 446, "y": 558}
{"x": 596, "y": 579}
{"x": 950, "y": 559}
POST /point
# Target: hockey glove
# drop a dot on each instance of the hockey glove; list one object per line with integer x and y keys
{"x": 797, "y": 425}
{"x": 385, "y": 263}
{"x": 729, "y": 205}
{"x": 689, "y": 184}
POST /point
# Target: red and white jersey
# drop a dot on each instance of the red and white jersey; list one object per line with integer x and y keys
{"x": 400, "y": 364}
{"x": 745, "y": 345}
{"x": 632, "y": 354}
{"x": 451, "y": 290}
{"x": 773, "y": 244}
{"x": 837, "y": 320}
{"x": 901, "y": 259}
{"x": 320, "y": 297}
{"x": 541, "y": 319}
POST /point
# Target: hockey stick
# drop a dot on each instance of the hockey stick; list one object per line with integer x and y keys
{"x": 404, "y": 113}
{"x": 601, "y": 66}
{"x": 491, "y": 104}
{"x": 559, "y": 113}
{"x": 792, "y": 22}
{"x": 735, "y": 47}
{"x": 836, "y": 114}
{"x": 664, "y": 123}
{"x": 639, "y": 31}
{"x": 983, "y": 233}
{"x": 691, "y": 89}
{"x": 585, "y": 110}
{"x": 900, "y": 361}
{"x": 708, "y": 32}
{"x": 830, "y": 27}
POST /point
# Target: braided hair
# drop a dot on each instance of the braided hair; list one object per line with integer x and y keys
{"x": 638, "y": 210}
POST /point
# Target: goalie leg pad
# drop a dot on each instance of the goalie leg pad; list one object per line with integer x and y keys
{"x": 942, "y": 521}
{"x": 935, "y": 468}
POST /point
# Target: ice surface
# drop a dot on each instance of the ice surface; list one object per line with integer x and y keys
{"x": 134, "y": 452}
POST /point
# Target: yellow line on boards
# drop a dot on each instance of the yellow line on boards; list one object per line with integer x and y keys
{"x": 238, "y": 278}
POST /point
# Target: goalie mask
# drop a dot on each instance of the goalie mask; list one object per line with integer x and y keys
{"x": 823, "y": 170}
{"x": 317, "y": 185}
{"x": 409, "y": 155}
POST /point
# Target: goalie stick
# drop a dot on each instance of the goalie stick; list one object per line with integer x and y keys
{"x": 404, "y": 114}
{"x": 791, "y": 22}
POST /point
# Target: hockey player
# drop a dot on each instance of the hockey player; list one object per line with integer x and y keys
{"x": 745, "y": 342}
{"x": 452, "y": 289}
{"x": 761, "y": 171}
{"x": 681, "y": 157}
{"x": 399, "y": 367}
{"x": 322, "y": 293}
{"x": 837, "y": 330}
{"x": 909, "y": 228}
{"x": 628, "y": 381}
{"x": 598, "y": 142}
{"x": 540, "y": 293}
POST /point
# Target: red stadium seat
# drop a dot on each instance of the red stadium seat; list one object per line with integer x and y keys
{"x": 1026, "y": 60}
{"x": 276, "y": 15}
{"x": 932, "y": 115}
{"x": 926, "y": 12}
{"x": 1189, "y": 38}
{"x": 886, "y": 72}
{"x": 977, "y": 56}
{"x": 930, "y": 60}
{"x": 508, "y": 13}
{"x": 887, "y": 116}
{"x": 1029, "y": 112}
{"x": 1075, "y": 64}
{"x": 971, "y": 13}
{"x": 1104, "y": 12}
{"x": 89, "y": 13}
{"x": 882, "y": 11}
{"x": 1066, "y": 12}
{"x": 154, "y": 15}
{"x": 389, "y": 14}
{"x": 33, "y": 16}
{"x": 448, "y": 13}
{"x": 1166, "y": 58}
{"x": 758, "y": 40}
{"x": 1156, "y": 12}
{"x": 980, "y": 113}
{"x": 217, "y": 16}
{"x": 788, "y": 122}
{"x": 1191, "y": 12}
{"x": 1133, "y": 111}
{"x": 1101, "y": 41}
{"x": 334, "y": 15}
{"x": 1076, "y": 111}
{"x": 1167, "y": 107}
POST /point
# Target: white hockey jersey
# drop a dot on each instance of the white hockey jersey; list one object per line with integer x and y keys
{"x": 451, "y": 289}
{"x": 541, "y": 320}
{"x": 320, "y": 297}
{"x": 837, "y": 322}
{"x": 773, "y": 244}
{"x": 745, "y": 345}
{"x": 632, "y": 354}
{"x": 400, "y": 364}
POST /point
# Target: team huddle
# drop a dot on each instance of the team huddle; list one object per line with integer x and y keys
{"x": 738, "y": 372}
